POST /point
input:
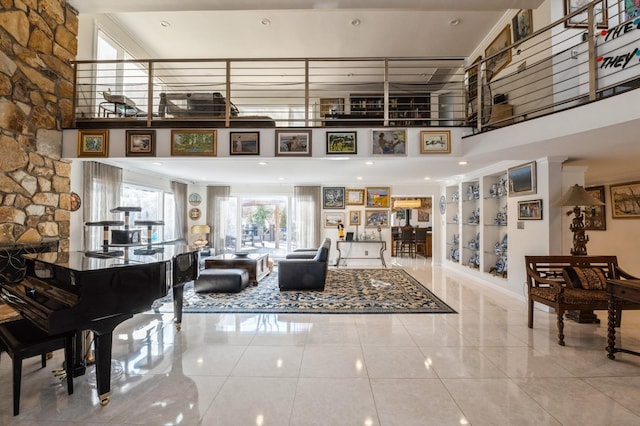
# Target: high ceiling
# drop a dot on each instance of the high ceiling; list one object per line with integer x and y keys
{"x": 328, "y": 28}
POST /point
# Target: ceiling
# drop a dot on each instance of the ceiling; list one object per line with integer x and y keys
{"x": 327, "y": 28}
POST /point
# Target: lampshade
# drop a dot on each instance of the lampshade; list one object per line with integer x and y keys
{"x": 577, "y": 196}
{"x": 407, "y": 204}
{"x": 200, "y": 229}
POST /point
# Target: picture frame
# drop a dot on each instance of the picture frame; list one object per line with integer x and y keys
{"x": 498, "y": 62}
{"x": 595, "y": 218}
{"x": 389, "y": 142}
{"x": 522, "y": 24}
{"x": 580, "y": 20}
{"x": 354, "y": 197}
{"x": 423, "y": 215}
{"x": 378, "y": 197}
{"x": 244, "y": 143}
{"x": 194, "y": 142}
{"x": 631, "y": 10}
{"x": 333, "y": 219}
{"x": 195, "y": 199}
{"x": 93, "y": 143}
{"x": 355, "y": 217}
{"x": 375, "y": 218}
{"x": 331, "y": 106}
{"x": 530, "y": 210}
{"x": 141, "y": 143}
{"x": 522, "y": 179}
{"x": 293, "y": 143}
{"x": 625, "y": 198}
{"x": 342, "y": 143}
{"x": 195, "y": 213}
{"x": 333, "y": 197}
{"x": 435, "y": 142}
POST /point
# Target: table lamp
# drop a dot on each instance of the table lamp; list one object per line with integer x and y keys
{"x": 200, "y": 242}
{"x": 578, "y": 197}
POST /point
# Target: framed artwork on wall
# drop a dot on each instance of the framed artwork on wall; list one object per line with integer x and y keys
{"x": 580, "y": 20}
{"x": 522, "y": 179}
{"x": 342, "y": 142}
{"x": 355, "y": 218}
{"x": 498, "y": 62}
{"x": 631, "y": 9}
{"x": 379, "y": 197}
{"x": 333, "y": 198}
{"x": 93, "y": 143}
{"x": 141, "y": 143}
{"x": 332, "y": 219}
{"x": 293, "y": 143}
{"x": 625, "y": 200}
{"x": 522, "y": 24}
{"x": 530, "y": 210}
{"x": 435, "y": 142}
{"x": 595, "y": 216}
{"x": 389, "y": 142}
{"x": 375, "y": 218}
{"x": 244, "y": 143}
{"x": 355, "y": 197}
{"x": 194, "y": 142}
{"x": 195, "y": 199}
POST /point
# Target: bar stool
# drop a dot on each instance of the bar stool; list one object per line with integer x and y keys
{"x": 21, "y": 339}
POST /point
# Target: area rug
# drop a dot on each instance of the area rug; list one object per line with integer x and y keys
{"x": 347, "y": 291}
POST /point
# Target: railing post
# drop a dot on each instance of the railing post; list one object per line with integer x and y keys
{"x": 480, "y": 89}
{"x": 306, "y": 93}
{"x": 591, "y": 43}
{"x": 386, "y": 92}
{"x": 227, "y": 103}
{"x": 150, "y": 93}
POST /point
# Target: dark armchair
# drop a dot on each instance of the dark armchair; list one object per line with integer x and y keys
{"x": 305, "y": 273}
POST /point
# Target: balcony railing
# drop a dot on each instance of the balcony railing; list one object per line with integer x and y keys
{"x": 587, "y": 55}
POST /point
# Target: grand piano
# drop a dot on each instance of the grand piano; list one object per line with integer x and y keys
{"x": 75, "y": 291}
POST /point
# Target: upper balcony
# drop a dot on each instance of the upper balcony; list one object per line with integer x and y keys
{"x": 583, "y": 57}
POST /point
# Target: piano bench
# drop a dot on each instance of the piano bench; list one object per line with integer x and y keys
{"x": 22, "y": 339}
{"x": 230, "y": 280}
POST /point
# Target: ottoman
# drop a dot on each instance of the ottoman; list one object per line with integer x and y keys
{"x": 221, "y": 280}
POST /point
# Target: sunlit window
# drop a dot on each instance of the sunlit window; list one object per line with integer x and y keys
{"x": 155, "y": 205}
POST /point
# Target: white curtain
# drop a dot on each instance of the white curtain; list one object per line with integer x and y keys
{"x": 217, "y": 216}
{"x": 306, "y": 211}
{"x": 101, "y": 193}
{"x": 180, "y": 197}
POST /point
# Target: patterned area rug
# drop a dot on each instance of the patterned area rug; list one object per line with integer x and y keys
{"x": 347, "y": 291}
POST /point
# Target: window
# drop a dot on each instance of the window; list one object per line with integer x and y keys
{"x": 155, "y": 205}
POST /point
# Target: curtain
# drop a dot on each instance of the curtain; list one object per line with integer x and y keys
{"x": 217, "y": 196}
{"x": 180, "y": 197}
{"x": 306, "y": 211}
{"x": 101, "y": 193}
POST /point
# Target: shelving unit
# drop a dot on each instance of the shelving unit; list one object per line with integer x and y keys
{"x": 404, "y": 110}
{"x": 470, "y": 200}
{"x": 495, "y": 223}
{"x": 453, "y": 223}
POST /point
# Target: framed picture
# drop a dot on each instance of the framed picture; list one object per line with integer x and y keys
{"x": 93, "y": 143}
{"x": 293, "y": 143}
{"x": 496, "y": 63}
{"x": 355, "y": 218}
{"x": 355, "y": 197}
{"x": 333, "y": 198}
{"x": 194, "y": 143}
{"x": 435, "y": 142}
{"x": 378, "y": 197}
{"x": 522, "y": 179}
{"x": 530, "y": 210}
{"x": 522, "y": 24}
{"x": 375, "y": 218}
{"x": 331, "y": 106}
{"x": 625, "y": 200}
{"x": 332, "y": 219}
{"x": 342, "y": 142}
{"x": 244, "y": 143}
{"x": 631, "y": 9}
{"x": 595, "y": 216}
{"x": 580, "y": 20}
{"x": 141, "y": 143}
{"x": 423, "y": 215}
{"x": 195, "y": 213}
{"x": 195, "y": 199}
{"x": 389, "y": 142}
{"x": 74, "y": 202}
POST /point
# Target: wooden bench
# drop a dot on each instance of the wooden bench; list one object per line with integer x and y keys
{"x": 572, "y": 283}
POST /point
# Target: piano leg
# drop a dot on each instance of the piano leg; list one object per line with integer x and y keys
{"x": 103, "y": 344}
{"x": 178, "y": 298}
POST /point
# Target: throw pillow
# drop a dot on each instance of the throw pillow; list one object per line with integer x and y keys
{"x": 585, "y": 278}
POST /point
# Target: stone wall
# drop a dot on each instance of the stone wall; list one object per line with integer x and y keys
{"x": 38, "y": 39}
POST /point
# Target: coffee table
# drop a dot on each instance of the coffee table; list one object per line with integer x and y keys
{"x": 257, "y": 264}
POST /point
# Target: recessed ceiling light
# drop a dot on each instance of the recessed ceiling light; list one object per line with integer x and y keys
{"x": 155, "y": 163}
{"x": 266, "y": 22}
{"x": 263, "y": 163}
{"x": 359, "y": 178}
{"x": 455, "y": 22}
{"x": 462, "y": 163}
{"x": 355, "y": 22}
{"x": 427, "y": 178}
{"x": 368, "y": 163}
{"x": 165, "y": 23}
{"x": 280, "y": 178}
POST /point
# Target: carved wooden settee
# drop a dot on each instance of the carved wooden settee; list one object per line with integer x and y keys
{"x": 572, "y": 283}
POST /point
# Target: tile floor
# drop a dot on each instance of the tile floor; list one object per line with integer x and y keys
{"x": 482, "y": 366}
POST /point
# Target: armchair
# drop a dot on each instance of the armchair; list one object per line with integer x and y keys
{"x": 305, "y": 273}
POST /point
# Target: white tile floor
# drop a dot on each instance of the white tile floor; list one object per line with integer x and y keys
{"x": 482, "y": 366}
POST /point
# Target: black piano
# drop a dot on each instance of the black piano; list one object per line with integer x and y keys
{"x": 67, "y": 291}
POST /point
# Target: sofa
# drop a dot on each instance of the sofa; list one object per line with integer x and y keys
{"x": 572, "y": 283}
{"x": 305, "y": 273}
